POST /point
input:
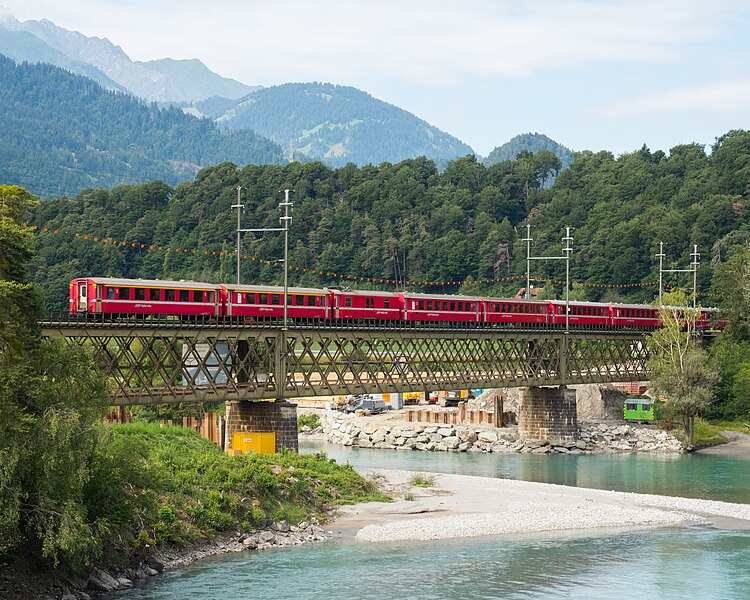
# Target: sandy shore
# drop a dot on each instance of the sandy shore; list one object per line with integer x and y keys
{"x": 457, "y": 506}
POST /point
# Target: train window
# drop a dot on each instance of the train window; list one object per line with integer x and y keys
{"x": 169, "y": 295}
{"x": 313, "y": 300}
{"x": 249, "y": 297}
{"x": 110, "y": 293}
{"x": 124, "y": 293}
{"x": 211, "y": 296}
{"x": 154, "y": 294}
{"x": 386, "y": 303}
{"x": 369, "y": 302}
{"x": 276, "y": 299}
{"x": 239, "y": 298}
{"x": 299, "y": 300}
{"x": 263, "y": 298}
{"x": 184, "y": 295}
{"x": 348, "y": 302}
{"x": 429, "y": 305}
{"x": 140, "y": 294}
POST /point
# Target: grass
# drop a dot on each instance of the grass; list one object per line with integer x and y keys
{"x": 419, "y": 480}
{"x": 707, "y": 434}
{"x": 312, "y": 421}
{"x": 175, "y": 487}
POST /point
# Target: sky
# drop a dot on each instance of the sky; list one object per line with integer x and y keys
{"x": 590, "y": 74}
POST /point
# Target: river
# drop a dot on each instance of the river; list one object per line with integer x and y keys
{"x": 695, "y": 562}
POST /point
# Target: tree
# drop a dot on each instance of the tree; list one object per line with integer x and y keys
{"x": 52, "y": 401}
{"x": 681, "y": 370}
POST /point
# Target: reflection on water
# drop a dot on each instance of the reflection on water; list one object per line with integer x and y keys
{"x": 695, "y": 563}
{"x": 691, "y": 476}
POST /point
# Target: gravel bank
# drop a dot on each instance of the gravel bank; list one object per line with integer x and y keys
{"x": 458, "y": 506}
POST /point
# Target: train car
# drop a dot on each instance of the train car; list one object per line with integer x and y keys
{"x": 440, "y": 308}
{"x": 712, "y": 319}
{"x": 639, "y": 409}
{"x": 113, "y": 296}
{"x": 635, "y": 316}
{"x": 516, "y": 312}
{"x": 351, "y": 305}
{"x": 587, "y": 315}
{"x": 249, "y": 303}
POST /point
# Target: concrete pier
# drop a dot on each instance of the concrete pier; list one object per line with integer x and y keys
{"x": 263, "y": 417}
{"x": 547, "y": 414}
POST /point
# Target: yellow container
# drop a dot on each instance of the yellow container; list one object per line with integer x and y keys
{"x": 254, "y": 441}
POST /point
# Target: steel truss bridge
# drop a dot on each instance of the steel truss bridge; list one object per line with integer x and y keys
{"x": 150, "y": 362}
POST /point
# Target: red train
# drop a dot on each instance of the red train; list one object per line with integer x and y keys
{"x": 253, "y": 303}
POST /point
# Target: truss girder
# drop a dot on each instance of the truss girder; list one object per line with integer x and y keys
{"x": 155, "y": 365}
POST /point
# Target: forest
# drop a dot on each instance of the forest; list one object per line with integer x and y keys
{"x": 410, "y": 225}
{"x": 63, "y": 133}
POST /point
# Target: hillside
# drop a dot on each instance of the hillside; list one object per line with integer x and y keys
{"x": 61, "y": 133}
{"x": 464, "y": 223}
{"x": 337, "y": 124}
{"x": 531, "y": 142}
{"x": 165, "y": 80}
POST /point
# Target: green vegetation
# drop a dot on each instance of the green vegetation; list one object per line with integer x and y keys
{"x": 421, "y": 480}
{"x": 184, "y": 487}
{"x": 531, "y": 143}
{"x": 706, "y": 434}
{"x": 73, "y": 490}
{"x": 63, "y": 133}
{"x": 681, "y": 370}
{"x": 311, "y": 421}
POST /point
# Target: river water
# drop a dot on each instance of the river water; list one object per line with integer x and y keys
{"x": 695, "y": 562}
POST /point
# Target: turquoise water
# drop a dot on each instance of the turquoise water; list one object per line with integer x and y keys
{"x": 698, "y": 563}
{"x": 690, "y": 476}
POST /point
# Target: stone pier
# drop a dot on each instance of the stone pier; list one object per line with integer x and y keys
{"x": 264, "y": 417}
{"x": 547, "y": 414}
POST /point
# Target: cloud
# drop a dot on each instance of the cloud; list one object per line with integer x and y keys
{"x": 716, "y": 97}
{"x": 423, "y": 41}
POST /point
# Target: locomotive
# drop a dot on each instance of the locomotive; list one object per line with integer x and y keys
{"x": 248, "y": 303}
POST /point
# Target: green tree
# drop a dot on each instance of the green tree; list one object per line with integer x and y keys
{"x": 51, "y": 403}
{"x": 681, "y": 370}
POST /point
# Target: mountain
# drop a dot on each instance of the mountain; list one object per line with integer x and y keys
{"x": 165, "y": 80}
{"x": 336, "y": 124}
{"x": 191, "y": 79}
{"x": 533, "y": 142}
{"x": 61, "y": 133}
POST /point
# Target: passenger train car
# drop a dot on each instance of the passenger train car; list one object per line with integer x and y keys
{"x": 104, "y": 296}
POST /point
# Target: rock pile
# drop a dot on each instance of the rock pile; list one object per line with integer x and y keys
{"x": 350, "y": 430}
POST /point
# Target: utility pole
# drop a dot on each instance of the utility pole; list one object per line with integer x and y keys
{"x": 239, "y": 206}
{"x": 695, "y": 255}
{"x": 567, "y": 240}
{"x": 528, "y": 240}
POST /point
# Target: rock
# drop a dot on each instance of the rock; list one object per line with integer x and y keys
{"x": 436, "y": 437}
{"x": 430, "y": 430}
{"x": 488, "y": 436}
{"x": 408, "y": 433}
{"x": 466, "y": 435}
{"x": 100, "y": 581}
{"x": 282, "y": 526}
{"x": 267, "y": 537}
{"x": 155, "y": 564}
{"x": 124, "y": 583}
{"x": 451, "y": 442}
{"x": 464, "y": 446}
{"x": 421, "y": 439}
{"x": 249, "y": 543}
{"x": 445, "y": 431}
{"x": 580, "y": 444}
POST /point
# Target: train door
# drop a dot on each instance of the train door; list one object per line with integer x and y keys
{"x": 82, "y": 295}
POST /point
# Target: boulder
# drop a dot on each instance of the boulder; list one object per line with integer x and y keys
{"x": 101, "y": 581}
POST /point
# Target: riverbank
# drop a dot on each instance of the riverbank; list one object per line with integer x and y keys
{"x": 456, "y": 506}
{"x": 737, "y": 446}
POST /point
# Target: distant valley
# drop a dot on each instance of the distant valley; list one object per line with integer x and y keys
{"x": 60, "y": 147}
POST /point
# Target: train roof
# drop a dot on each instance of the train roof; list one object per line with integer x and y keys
{"x": 160, "y": 283}
{"x": 419, "y": 295}
{"x": 272, "y": 289}
{"x": 362, "y": 292}
{"x": 514, "y": 300}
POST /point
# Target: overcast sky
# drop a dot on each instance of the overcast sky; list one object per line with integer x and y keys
{"x": 596, "y": 74}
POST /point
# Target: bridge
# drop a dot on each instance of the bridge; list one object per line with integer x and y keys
{"x": 156, "y": 361}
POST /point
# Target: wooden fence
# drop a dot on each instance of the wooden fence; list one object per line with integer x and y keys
{"x": 463, "y": 415}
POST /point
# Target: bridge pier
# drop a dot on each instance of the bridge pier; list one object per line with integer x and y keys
{"x": 262, "y": 417}
{"x": 547, "y": 414}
